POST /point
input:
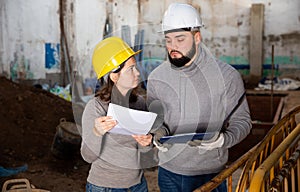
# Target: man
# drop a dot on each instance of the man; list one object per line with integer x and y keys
{"x": 193, "y": 92}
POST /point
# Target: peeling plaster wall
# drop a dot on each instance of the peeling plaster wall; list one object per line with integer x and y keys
{"x": 282, "y": 29}
{"x": 150, "y": 15}
{"x": 90, "y": 18}
{"x": 226, "y": 30}
{"x": 26, "y": 26}
{"x": 125, "y": 12}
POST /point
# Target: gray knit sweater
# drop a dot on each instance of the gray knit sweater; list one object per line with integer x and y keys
{"x": 198, "y": 98}
{"x": 117, "y": 161}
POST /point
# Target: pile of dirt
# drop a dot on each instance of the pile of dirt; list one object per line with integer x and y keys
{"x": 28, "y": 120}
{"x": 29, "y": 117}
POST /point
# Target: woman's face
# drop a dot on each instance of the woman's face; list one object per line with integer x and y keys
{"x": 129, "y": 76}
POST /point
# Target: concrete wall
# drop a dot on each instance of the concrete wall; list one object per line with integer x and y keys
{"x": 90, "y": 17}
{"x": 282, "y": 29}
{"x": 31, "y": 34}
{"x": 27, "y": 27}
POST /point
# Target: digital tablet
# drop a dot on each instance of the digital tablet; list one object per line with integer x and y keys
{"x": 184, "y": 138}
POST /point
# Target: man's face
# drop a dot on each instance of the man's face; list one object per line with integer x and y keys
{"x": 181, "y": 47}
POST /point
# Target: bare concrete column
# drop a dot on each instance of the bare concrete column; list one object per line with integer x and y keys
{"x": 256, "y": 42}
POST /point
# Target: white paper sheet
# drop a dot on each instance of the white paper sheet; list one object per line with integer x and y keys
{"x": 130, "y": 121}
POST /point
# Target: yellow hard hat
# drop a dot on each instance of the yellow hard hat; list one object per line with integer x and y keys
{"x": 109, "y": 54}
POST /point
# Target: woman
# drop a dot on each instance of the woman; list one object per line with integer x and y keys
{"x": 116, "y": 160}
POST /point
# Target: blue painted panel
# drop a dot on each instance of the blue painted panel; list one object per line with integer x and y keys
{"x": 52, "y": 56}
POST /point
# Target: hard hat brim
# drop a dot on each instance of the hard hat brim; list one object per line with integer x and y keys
{"x": 104, "y": 72}
{"x": 180, "y": 29}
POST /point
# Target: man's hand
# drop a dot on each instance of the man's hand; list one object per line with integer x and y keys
{"x": 159, "y": 133}
{"x": 204, "y": 145}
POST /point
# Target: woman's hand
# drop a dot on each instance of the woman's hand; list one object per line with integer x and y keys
{"x": 143, "y": 140}
{"x": 103, "y": 124}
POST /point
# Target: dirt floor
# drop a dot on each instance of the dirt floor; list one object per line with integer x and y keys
{"x": 28, "y": 120}
{"x": 29, "y": 117}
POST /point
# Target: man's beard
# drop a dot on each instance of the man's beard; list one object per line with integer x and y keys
{"x": 180, "y": 62}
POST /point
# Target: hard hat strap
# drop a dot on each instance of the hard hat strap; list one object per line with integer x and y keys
{"x": 118, "y": 69}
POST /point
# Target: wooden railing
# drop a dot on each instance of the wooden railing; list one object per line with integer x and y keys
{"x": 254, "y": 158}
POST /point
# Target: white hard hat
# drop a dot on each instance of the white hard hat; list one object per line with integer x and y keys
{"x": 181, "y": 16}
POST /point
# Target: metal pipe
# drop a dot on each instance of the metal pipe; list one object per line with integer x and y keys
{"x": 284, "y": 172}
{"x": 223, "y": 175}
{"x": 272, "y": 82}
{"x": 259, "y": 174}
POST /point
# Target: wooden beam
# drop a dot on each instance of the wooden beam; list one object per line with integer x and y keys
{"x": 256, "y": 42}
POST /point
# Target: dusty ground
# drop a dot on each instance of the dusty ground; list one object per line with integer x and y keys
{"x": 29, "y": 117}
